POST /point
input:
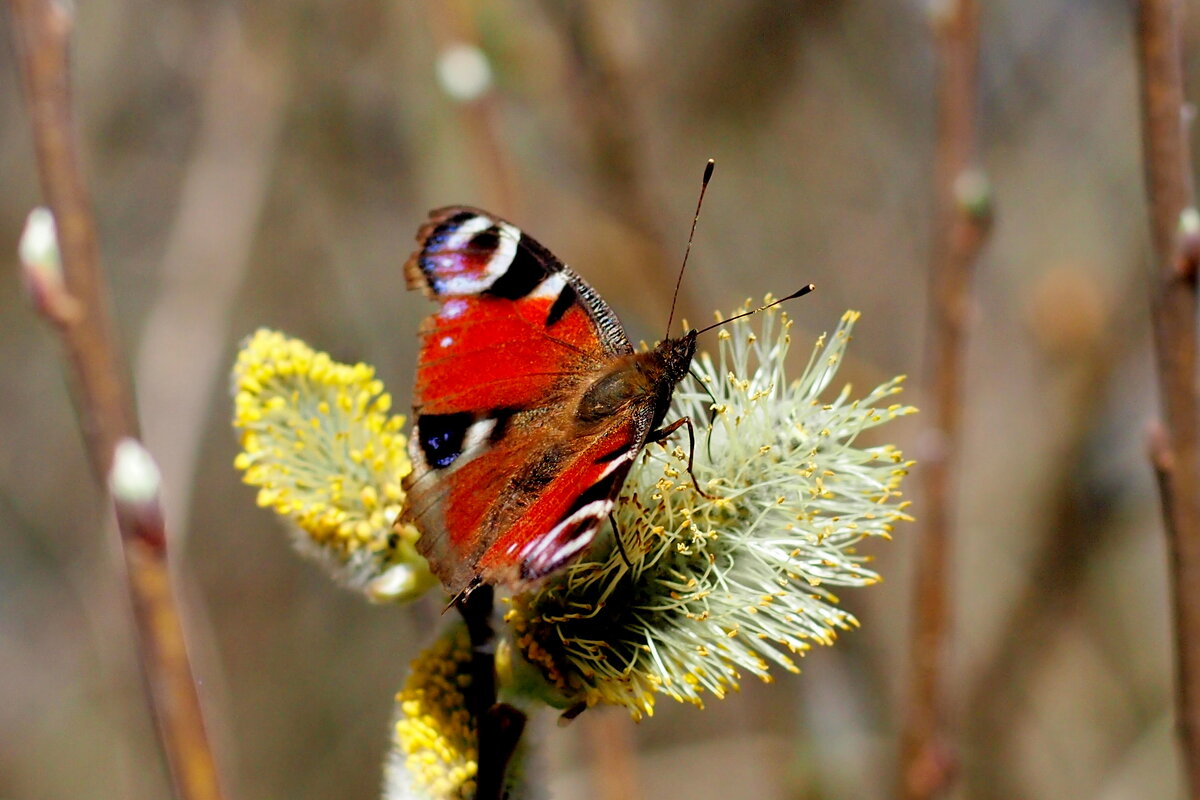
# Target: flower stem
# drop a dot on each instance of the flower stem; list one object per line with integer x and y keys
{"x": 1175, "y": 446}
{"x": 42, "y": 31}
{"x": 961, "y": 222}
{"x": 499, "y": 725}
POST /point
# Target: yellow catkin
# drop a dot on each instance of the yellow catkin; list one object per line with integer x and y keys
{"x": 434, "y": 734}
{"x": 679, "y": 610}
{"x": 320, "y": 444}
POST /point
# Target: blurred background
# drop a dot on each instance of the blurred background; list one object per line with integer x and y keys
{"x": 268, "y": 164}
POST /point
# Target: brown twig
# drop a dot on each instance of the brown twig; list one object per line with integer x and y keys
{"x": 1175, "y": 453}
{"x": 42, "y": 30}
{"x": 960, "y": 227}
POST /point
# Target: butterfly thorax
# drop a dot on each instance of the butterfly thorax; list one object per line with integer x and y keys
{"x": 644, "y": 379}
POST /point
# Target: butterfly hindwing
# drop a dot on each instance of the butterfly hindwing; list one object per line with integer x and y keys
{"x": 576, "y": 515}
{"x": 506, "y": 485}
{"x": 522, "y": 507}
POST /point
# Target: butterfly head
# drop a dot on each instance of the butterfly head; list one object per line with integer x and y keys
{"x": 676, "y": 356}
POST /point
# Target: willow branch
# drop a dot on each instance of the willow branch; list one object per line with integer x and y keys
{"x": 1175, "y": 449}
{"x": 42, "y": 29}
{"x": 78, "y": 308}
{"x": 961, "y": 224}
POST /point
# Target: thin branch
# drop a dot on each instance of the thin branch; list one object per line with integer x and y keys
{"x": 78, "y": 307}
{"x": 961, "y": 222}
{"x": 42, "y": 30}
{"x": 1175, "y": 450}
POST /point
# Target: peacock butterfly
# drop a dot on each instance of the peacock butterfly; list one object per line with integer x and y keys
{"x": 530, "y": 404}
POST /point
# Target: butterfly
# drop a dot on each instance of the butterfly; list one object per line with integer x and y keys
{"x": 530, "y": 404}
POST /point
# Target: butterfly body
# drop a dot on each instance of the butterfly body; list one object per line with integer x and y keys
{"x": 530, "y": 404}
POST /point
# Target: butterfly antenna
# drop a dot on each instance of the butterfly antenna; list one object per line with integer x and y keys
{"x": 708, "y": 171}
{"x": 612, "y": 520}
{"x": 803, "y": 290}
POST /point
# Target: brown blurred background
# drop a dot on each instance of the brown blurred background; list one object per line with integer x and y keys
{"x": 268, "y": 164}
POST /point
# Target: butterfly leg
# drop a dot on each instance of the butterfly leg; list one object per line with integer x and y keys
{"x": 617, "y": 535}
{"x": 662, "y": 433}
{"x": 459, "y": 600}
{"x": 571, "y": 713}
{"x": 712, "y": 411}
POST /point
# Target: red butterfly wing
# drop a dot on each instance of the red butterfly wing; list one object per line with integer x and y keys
{"x": 503, "y": 489}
